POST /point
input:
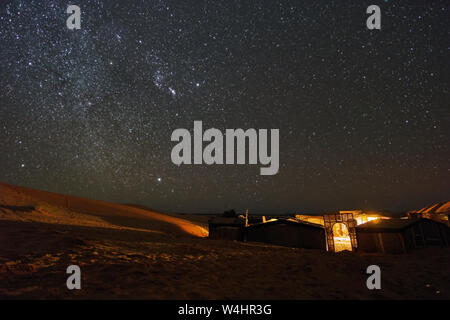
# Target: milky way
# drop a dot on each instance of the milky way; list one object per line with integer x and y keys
{"x": 363, "y": 114}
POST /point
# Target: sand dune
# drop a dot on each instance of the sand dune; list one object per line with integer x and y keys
{"x": 20, "y": 203}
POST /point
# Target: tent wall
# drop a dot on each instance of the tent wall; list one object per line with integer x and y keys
{"x": 289, "y": 235}
{"x": 368, "y": 242}
{"x": 392, "y": 242}
{"x": 424, "y": 233}
{"x": 225, "y": 232}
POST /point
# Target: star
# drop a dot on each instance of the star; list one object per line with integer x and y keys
{"x": 362, "y": 115}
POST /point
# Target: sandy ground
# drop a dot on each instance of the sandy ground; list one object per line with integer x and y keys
{"x": 131, "y": 253}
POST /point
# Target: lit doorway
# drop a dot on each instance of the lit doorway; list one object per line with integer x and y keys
{"x": 341, "y": 237}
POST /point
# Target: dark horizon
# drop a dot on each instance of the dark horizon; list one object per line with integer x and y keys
{"x": 363, "y": 115}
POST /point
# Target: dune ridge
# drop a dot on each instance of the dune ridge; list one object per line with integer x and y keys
{"x": 26, "y": 204}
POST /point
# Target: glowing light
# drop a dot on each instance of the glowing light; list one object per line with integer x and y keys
{"x": 341, "y": 238}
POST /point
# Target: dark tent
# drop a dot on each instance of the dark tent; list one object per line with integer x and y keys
{"x": 226, "y": 228}
{"x": 401, "y": 235}
{"x": 289, "y": 233}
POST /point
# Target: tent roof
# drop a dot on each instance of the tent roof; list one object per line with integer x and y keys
{"x": 437, "y": 208}
{"x": 285, "y": 221}
{"x": 387, "y": 224}
{"x": 390, "y": 224}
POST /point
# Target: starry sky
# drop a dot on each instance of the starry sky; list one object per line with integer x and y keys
{"x": 364, "y": 115}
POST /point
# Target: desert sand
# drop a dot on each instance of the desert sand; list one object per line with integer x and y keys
{"x": 129, "y": 252}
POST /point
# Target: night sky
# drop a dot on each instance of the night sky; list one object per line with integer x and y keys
{"x": 364, "y": 115}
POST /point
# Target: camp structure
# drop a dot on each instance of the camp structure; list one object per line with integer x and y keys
{"x": 359, "y": 215}
{"x": 226, "y": 228}
{"x": 439, "y": 211}
{"x": 340, "y": 226}
{"x": 401, "y": 235}
{"x": 288, "y": 233}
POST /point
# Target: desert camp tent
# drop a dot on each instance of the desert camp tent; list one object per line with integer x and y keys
{"x": 439, "y": 211}
{"x": 289, "y": 233}
{"x": 226, "y": 228}
{"x": 401, "y": 235}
